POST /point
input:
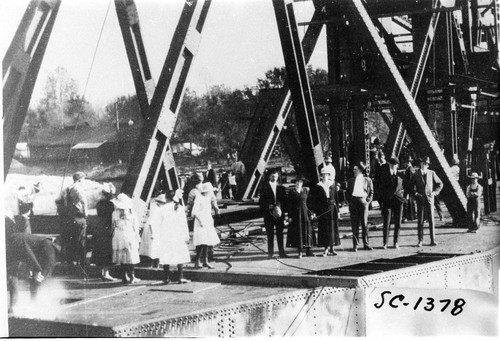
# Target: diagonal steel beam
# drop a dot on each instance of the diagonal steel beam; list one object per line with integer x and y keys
{"x": 157, "y": 130}
{"x": 300, "y": 89}
{"x": 397, "y": 133}
{"x": 20, "y": 68}
{"x": 256, "y": 160}
{"x": 128, "y": 18}
{"x": 411, "y": 116}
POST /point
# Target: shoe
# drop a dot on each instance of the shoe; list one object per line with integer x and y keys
{"x": 396, "y": 245}
{"x": 108, "y": 278}
{"x": 355, "y": 249}
{"x": 134, "y": 280}
{"x": 270, "y": 256}
{"x": 183, "y": 281}
{"x": 300, "y": 255}
{"x": 434, "y": 244}
{"x": 197, "y": 265}
{"x": 369, "y": 248}
{"x": 419, "y": 244}
{"x": 385, "y": 246}
{"x": 310, "y": 254}
{"x": 208, "y": 265}
{"x": 166, "y": 281}
{"x": 333, "y": 253}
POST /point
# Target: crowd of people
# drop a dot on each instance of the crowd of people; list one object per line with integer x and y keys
{"x": 408, "y": 193}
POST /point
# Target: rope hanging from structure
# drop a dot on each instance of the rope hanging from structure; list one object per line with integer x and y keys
{"x": 84, "y": 92}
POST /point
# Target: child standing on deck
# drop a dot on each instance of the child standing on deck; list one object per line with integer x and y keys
{"x": 204, "y": 230}
{"x": 473, "y": 193}
{"x": 126, "y": 237}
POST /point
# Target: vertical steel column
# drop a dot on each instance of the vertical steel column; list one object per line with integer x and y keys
{"x": 397, "y": 132}
{"x": 256, "y": 161}
{"x": 149, "y": 153}
{"x": 20, "y": 68}
{"x": 403, "y": 100}
{"x": 472, "y": 125}
{"x": 333, "y": 54}
{"x": 299, "y": 88}
{"x": 128, "y": 18}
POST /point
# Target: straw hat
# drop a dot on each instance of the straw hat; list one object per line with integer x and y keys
{"x": 122, "y": 201}
{"x": 474, "y": 175}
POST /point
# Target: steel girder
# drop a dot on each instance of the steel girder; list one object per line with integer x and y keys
{"x": 397, "y": 132}
{"x": 410, "y": 114}
{"x": 150, "y": 152}
{"x": 300, "y": 90}
{"x": 128, "y": 19}
{"x": 255, "y": 156}
{"x": 20, "y": 69}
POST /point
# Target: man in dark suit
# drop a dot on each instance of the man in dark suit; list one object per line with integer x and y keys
{"x": 360, "y": 194}
{"x": 271, "y": 201}
{"x": 425, "y": 185}
{"x": 392, "y": 198}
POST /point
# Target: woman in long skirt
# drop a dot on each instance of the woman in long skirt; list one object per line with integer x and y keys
{"x": 126, "y": 237}
{"x": 174, "y": 236}
{"x": 204, "y": 230}
{"x": 300, "y": 231}
{"x": 324, "y": 204}
{"x": 150, "y": 240}
{"x": 102, "y": 236}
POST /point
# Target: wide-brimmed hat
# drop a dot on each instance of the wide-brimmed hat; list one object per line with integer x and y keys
{"x": 207, "y": 187}
{"x": 161, "y": 198}
{"x": 325, "y": 171}
{"x": 122, "y": 201}
{"x": 301, "y": 178}
{"x": 474, "y": 175}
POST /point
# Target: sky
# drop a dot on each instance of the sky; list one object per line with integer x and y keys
{"x": 240, "y": 42}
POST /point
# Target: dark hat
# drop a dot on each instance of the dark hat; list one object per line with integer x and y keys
{"x": 301, "y": 178}
{"x": 426, "y": 160}
{"x": 394, "y": 161}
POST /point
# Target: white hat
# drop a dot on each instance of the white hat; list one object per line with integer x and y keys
{"x": 122, "y": 201}
{"x": 474, "y": 175}
{"x": 207, "y": 187}
{"x": 161, "y": 198}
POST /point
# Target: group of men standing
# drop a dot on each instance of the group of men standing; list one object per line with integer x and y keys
{"x": 424, "y": 185}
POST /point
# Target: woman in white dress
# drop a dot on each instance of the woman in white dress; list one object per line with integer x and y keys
{"x": 204, "y": 230}
{"x": 174, "y": 236}
{"x": 126, "y": 237}
{"x": 150, "y": 240}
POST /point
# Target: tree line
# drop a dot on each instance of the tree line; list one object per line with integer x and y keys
{"x": 217, "y": 121}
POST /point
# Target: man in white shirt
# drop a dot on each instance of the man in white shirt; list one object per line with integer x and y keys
{"x": 360, "y": 194}
{"x": 328, "y": 168}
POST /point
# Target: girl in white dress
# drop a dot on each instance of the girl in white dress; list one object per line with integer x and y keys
{"x": 174, "y": 236}
{"x": 204, "y": 230}
{"x": 126, "y": 237}
{"x": 150, "y": 239}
